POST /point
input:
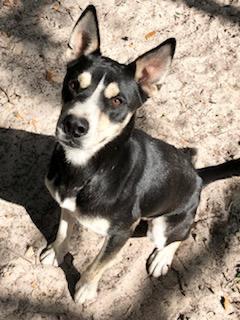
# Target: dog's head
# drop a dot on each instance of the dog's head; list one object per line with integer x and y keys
{"x": 101, "y": 95}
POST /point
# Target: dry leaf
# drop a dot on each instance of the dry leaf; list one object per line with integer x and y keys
{"x": 10, "y": 3}
{"x": 4, "y": 34}
{"x": 18, "y": 116}
{"x": 56, "y": 6}
{"x": 34, "y": 284}
{"x": 29, "y": 253}
{"x": 150, "y": 35}
{"x": 33, "y": 122}
{"x": 53, "y": 77}
{"x": 50, "y": 76}
{"x": 225, "y": 303}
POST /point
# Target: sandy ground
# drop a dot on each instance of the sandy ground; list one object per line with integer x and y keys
{"x": 198, "y": 106}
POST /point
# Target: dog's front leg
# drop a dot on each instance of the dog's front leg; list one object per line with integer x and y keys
{"x": 86, "y": 288}
{"x": 54, "y": 253}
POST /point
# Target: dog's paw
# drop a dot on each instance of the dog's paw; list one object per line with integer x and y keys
{"x": 85, "y": 292}
{"x": 159, "y": 263}
{"x": 48, "y": 256}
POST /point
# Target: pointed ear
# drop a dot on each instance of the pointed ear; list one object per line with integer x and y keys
{"x": 152, "y": 67}
{"x": 84, "y": 38}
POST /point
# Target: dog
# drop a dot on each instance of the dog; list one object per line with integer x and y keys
{"x": 110, "y": 176}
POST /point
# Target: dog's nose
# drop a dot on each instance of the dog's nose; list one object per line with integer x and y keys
{"x": 75, "y": 127}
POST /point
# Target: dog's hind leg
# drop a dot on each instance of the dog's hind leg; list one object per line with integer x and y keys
{"x": 167, "y": 233}
{"x": 54, "y": 253}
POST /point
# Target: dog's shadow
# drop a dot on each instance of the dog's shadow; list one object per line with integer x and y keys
{"x": 24, "y": 158}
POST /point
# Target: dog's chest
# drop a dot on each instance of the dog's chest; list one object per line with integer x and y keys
{"x": 95, "y": 223}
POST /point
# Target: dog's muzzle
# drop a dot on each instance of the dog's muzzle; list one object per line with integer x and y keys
{"x": 71, "y": 129}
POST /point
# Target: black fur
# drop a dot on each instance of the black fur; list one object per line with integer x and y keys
{"x": 222, "y": 171}
{"x": 133, "y": 176}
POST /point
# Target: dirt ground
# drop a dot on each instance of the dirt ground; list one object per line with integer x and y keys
{"x": 197, "y": 106}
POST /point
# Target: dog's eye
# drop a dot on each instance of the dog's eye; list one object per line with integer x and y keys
{"x": 116, "y": 101}
{"x": 73, "y": 85}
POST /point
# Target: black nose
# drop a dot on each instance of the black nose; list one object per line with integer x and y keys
{"x": 75, "y": 127}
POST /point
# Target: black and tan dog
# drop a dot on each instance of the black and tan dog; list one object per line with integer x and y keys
{"x": 110, "y": 176}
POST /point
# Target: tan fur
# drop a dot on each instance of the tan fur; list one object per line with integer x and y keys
{"x": 85, "y": 79}
{"x": 112, "y": 90}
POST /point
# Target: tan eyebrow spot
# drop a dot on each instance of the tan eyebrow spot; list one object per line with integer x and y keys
{"x": 112, "y": 90}
{"x": 85, "y": 79}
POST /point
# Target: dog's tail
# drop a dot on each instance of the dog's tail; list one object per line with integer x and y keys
{"x": 222, "y": 171}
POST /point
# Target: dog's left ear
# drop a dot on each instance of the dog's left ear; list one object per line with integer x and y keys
{"x": 152, "y": 67}
{"x": 85, "y": 38}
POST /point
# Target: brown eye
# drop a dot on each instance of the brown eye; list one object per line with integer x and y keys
{"x": 116, "y": 102}
{"x": 73, "y": 85}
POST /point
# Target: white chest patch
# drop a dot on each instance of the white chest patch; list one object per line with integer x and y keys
{"x": 97, "y": 224}
{"x": 69, "y": 204}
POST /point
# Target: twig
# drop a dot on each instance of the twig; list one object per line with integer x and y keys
{"x": 19, "y": 255}
{"x": 179, "y": 282}
{"x": 69, "y": 13}
{"x": 5, "y": 93}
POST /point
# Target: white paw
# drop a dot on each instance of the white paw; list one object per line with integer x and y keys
{"x": 48, "y": 256}
{"x": 85, "y": 292}
{"x": 159, "y": 263}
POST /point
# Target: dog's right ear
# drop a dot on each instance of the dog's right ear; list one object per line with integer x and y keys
{"x": 84, "y": 38}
